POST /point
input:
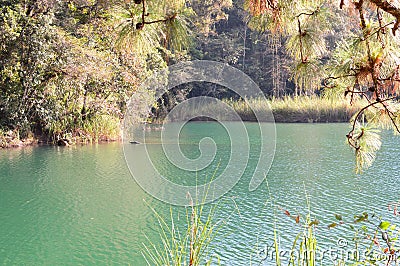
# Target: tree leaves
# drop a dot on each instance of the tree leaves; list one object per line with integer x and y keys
{"x": 384, "y": 225}
{"x": 332, "y": 225}
{"x": 338, "y": 217}
{"x": 361, "y": 218}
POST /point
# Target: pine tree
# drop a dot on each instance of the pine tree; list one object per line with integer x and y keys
{"x": 364, "y": 64}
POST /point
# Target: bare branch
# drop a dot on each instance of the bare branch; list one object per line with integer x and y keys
{"x": 391, "y": 9}
{"x": 350, "y": 134}
{"x": 140, "y": 25}
{"x": 341, "y": 4}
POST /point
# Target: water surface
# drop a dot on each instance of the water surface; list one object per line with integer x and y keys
{"x": 80, "y": 205}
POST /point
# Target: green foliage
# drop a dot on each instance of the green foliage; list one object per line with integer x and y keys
{"x": 142, "y": 42}
{"x": 375, "y": 241}
{"x": 61, "y": 72}
{"x": 3, "y": 140}
{"x": 366, "y": 141}
{"x": 28, "y": 61}
{"x": 165, "y": 30}
{"x": 96, "y": 128}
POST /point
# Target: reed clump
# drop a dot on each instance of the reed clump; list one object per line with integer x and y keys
{"x": 94, "y": 129}
{"x": 302, "y": 109}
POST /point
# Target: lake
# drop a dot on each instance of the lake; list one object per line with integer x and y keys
{"x": 80, "y": 205}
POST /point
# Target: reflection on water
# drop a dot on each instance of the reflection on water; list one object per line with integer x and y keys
{"x": 79, "y": 205}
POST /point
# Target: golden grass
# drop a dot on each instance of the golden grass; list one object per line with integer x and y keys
{"x": 304, "y": 109}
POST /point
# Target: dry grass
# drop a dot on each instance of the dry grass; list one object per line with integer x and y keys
{"x": 299, "y": 109}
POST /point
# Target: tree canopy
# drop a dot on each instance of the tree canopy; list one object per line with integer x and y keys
{"x": 68, "y": 67}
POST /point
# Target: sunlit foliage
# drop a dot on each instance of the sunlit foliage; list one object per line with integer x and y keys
{"x": 364, "y": 63}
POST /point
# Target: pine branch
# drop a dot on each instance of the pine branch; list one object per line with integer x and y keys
{"x": 350, "y": 134}
{"x": 303, "y": 60}
{"x": 162, "y": 20}
{"x": 140, "y": 25}
{"x": 391, "y": 9}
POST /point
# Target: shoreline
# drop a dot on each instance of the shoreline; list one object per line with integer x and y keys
{"x": 310, "y": 110}
{"x": 7, "y": 142}
{"x": 38, "y": 142}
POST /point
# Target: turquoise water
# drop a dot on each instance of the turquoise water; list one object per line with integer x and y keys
{"x": 80, "y": 205}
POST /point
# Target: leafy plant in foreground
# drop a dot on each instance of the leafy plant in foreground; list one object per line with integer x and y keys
{"x": 375, "y": 240}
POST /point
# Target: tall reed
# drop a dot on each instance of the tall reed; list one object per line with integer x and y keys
{"x": 191, "y": 246}
{"x": 304, "y": 109}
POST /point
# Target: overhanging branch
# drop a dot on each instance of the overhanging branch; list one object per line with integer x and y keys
{"x": 140, "y": 25}
{"x": 391, "y": 9}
